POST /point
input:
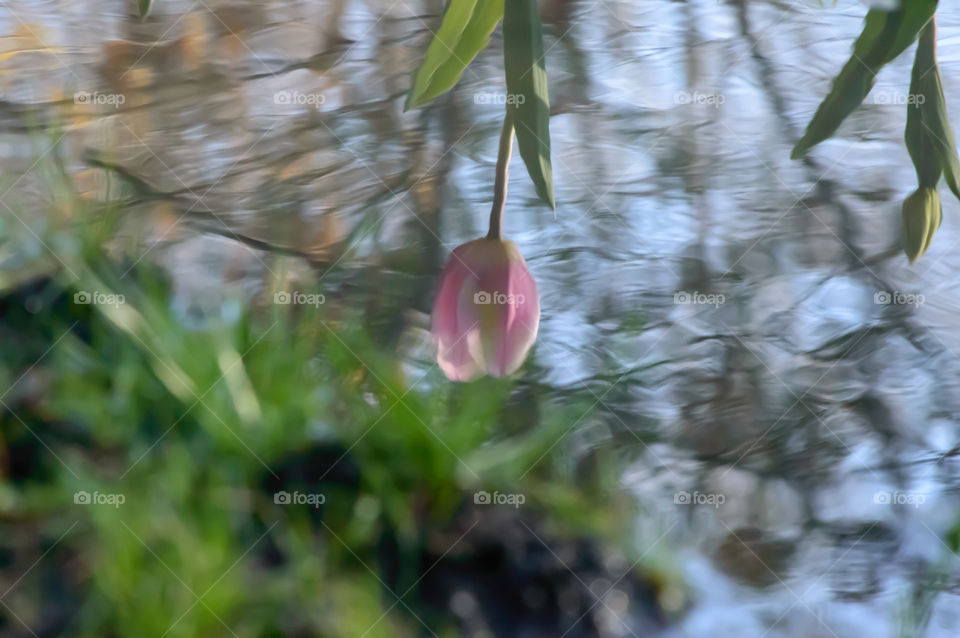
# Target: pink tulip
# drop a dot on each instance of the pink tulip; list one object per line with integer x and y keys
{"x": 487, "y": 310}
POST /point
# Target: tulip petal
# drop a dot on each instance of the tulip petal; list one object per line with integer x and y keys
{"x": 508, "y": 332}
{"x": 522, "y": 323}
{"x": 453, "y": 352}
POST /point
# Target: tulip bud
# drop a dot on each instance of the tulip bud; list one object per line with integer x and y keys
{"x": 487, "y": 311}
{"x": 921, "y": 219}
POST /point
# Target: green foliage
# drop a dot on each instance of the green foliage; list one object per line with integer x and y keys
{"x": 464, "y": 32}
{"x": 885, "y": 35}
{"x": 929, "y": 135}
{"x": 523, "y": 63}
{"x": 930, "y": 142}
{"x": 199, "y": 426}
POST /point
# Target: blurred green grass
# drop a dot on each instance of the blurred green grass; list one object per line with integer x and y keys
{"x": 198, "y": 426}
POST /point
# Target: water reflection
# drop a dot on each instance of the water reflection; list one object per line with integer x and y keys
{"x": 748, "y": 324}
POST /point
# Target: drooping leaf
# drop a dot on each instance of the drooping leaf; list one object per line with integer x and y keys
{"x": 929, "y": 135}
{"x": 915, "y": 15}
{"x": 528, "y": 103}
{"x": 464, "y": 32}
{"x": 920, "y": 144}
{"x": 144, "y": 7}
{"x": 885, "y": 35}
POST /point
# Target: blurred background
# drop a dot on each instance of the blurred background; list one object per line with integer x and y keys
{"x": 220, "y": 413}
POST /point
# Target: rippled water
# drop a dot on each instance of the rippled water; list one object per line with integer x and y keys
{"x": 815, "y": 376}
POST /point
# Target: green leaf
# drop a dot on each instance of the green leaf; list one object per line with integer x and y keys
{"x": 144, "y": 7}
{"x": 920, "y": 144}
{"x": 528, "y": 104}
{"x": 885, "y": 35}
{"x": 929, "y": 135}
{"x": 464, "y": 32}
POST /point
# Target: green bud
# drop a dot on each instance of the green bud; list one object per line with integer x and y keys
{"x": 921, "y": 219}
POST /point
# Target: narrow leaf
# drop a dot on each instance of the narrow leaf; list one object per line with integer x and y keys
{"x": 528, "y": 103}
{"x": 919, "y": 142}
{"x": 929, "y": 135}
{"x": 144, "y": 7}
{"x": 464, "y": 32}
{"x": 885, "y": 35}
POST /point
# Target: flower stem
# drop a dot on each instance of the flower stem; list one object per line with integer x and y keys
{"x": 500, "y": 182}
